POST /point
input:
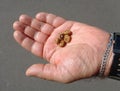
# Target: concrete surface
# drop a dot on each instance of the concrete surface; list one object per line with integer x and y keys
{"x": 14, "y": 60}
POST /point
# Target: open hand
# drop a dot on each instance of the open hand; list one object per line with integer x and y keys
{"x": 81, "y": 58}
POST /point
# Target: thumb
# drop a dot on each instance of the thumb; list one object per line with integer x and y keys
{"x": 44, "y": 71}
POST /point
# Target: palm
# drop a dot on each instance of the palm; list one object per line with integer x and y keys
{"x": 69, "y": 63}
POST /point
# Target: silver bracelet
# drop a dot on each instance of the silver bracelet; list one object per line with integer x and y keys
{"x": 105, "y": 57}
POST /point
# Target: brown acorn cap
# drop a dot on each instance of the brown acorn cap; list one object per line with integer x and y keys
{"x": 57, "y": 40}
{"x": 62, "y": 43}
{"x": 67, "y": 38}
{"x": 67, "y": 32}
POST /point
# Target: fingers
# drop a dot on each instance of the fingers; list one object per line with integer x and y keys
{"x": 30, "y": 32}
{"x": 43, "y": 23}
{"x": 19, "y": 26}
{"x": 44, "y": 71}
{"x": 29, "y": 44}
{"x": 51, "y": 19}
{"x": 36, "y": 24}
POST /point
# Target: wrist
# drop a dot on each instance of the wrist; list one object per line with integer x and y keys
{"x": 109, "y": 62}
{"x": 107, "y": 58}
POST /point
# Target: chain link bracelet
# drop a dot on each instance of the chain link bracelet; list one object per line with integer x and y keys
{"x": 105, "y": 57}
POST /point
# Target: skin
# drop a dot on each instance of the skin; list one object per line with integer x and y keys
{"x": 79, "y": 59}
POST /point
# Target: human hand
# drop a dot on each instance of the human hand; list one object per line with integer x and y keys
{"x": 81, "y": 58}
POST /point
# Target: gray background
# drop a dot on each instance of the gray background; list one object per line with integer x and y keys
{"x": 14, "y": 60}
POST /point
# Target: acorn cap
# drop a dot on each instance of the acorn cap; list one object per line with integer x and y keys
{"x": 57, "y": 40}
{"x": 67, "y": 32}
{"x": 62, "y": 43}
{"x": 67, "y": 38}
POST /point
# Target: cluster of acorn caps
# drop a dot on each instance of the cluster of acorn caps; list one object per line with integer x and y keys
{"x": 64, "y": 38}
